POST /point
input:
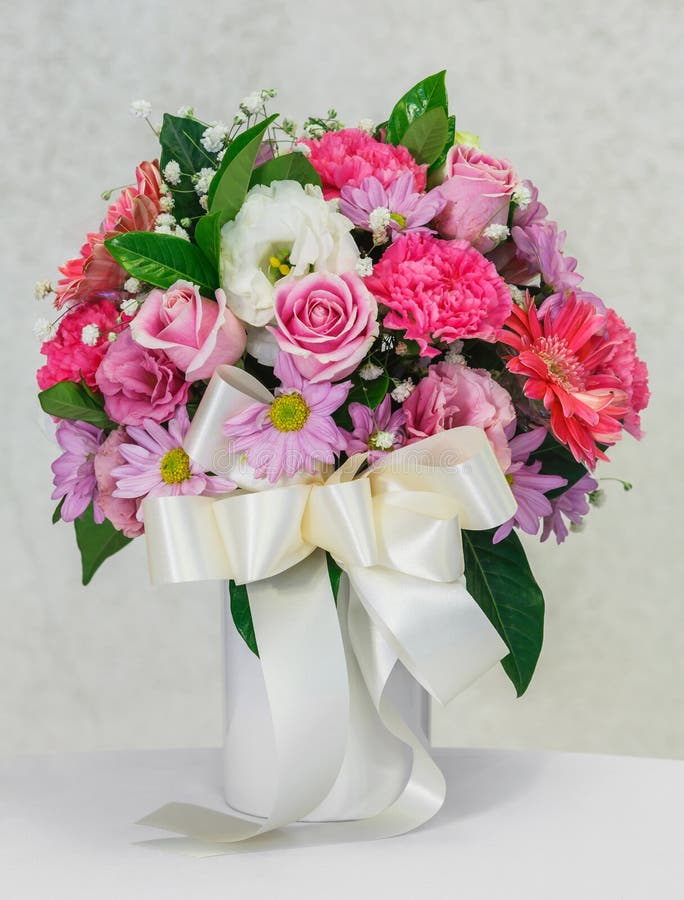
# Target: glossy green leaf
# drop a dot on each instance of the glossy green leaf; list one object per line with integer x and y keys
{"x": 242, "y": 614}
{"x": 67, "y": 400}
{"x": 430, "y": 93}
{"x": 557, "y": 460}
{"x": 230, "y": 184}
{"x": 180, "y": 140}
{"x": 426, "y": 136}
{"x": 162, "y": 259}
{"x": 288, "y": 167}
{"x": 500, "y": 579}
{"x": 208, "y": 238}
{"x": 96, "y": 542}
{"x": 448, "y": 144}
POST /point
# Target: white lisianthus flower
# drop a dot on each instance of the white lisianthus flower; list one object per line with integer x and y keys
{"x": 281, "y": 230}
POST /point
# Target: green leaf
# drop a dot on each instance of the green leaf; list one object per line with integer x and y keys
{"x": 161, "y": 259}
{"x": 180, "y": 140}
{"x": 557, "y": 460}
{"x": 96, "y": 542}
{"x": 500, "y": 579}
{"x": 448, "y": 144}
{"x": 292, "y": 166}
{"x": 334, "y": 573}
{"x": 426, "y": 136}
{"x": 231, "y": 183}
{"x": 208, "y": 238}
{"x": 369, "y": 393}
{"x": 67, "y": 400}
{"x": 57, "y": 514}
{"x": 242, "y": 614}
{"x": 430, "y": 93}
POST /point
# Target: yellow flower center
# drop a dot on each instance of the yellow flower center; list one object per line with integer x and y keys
{"x": 175, "y": 466}
{"x": 289, "y": 412}
{"x": 278, "y": 265}
{"x": 509, "y": 479}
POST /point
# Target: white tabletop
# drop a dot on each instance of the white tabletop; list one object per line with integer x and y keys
{"x": 538, "y": 826}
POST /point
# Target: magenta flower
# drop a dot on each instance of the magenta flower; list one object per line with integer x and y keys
{"x": 528, "y": 485}
{"x": 407, "y": 210}
{"x": 573, "y": 504}
{"x": 376, "y": 431}
{"x": 293, "y": 432}
{"x": 74, "y": 470}
{"x": 158, "y": 466}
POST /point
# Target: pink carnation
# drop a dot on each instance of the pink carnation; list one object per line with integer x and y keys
{"x": 439, "y": 290}
{"x": 94, "y": 271}
{"x": 120, "y": 511}
{"x": 631, "y": 372}
{"x": 68, "y": 358}
{"x": 139, "y": 384}
{"x": 450, "y": 396}
{"x": 347, "y": 157}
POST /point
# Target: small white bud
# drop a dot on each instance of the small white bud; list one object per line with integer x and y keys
{"x": 141, "y": 109}
{"x": 403, "y": 390}
{"x": 370, "y": 372}
{"x": 90, "y": 335}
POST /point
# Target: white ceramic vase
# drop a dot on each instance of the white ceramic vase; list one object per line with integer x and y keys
{"x": 376, "y": 765}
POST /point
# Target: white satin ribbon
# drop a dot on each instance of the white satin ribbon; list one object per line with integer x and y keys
{"x": 395, "y": 531}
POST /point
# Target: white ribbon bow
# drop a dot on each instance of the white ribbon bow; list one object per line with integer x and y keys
{"x": 395, "y": 531}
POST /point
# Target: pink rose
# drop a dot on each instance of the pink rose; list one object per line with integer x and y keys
{"x": 327, "y": 322}
{"x": 120, "y": 512}
{"x": 195, "y": 333}
{"x": 453, "y": 395}
{"x": 478, "y": 191}
{"x": 139, "y": 384}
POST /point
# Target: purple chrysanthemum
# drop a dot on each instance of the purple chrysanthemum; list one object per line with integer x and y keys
{"x": 528, "y": 485}
{"x": 293, "y": 432}
{"x": 541, "y": 246}
{"x": 376, "y": 431}
{"x": 573, "y": 504}
{"x": 404, "y": 210}
{"x": 158, "y": 466}
{"x": 74, "y": 470}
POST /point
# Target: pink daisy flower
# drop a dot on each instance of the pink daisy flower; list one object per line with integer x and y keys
{"x": 158, "y": 466}
{"x": 74, "y": 470}
{"x": 528, "y": 485}
{"x": 439, "y": 291}
{"x": 350, "y": 155}
{"x": 408, "y": 210}
{"x": 293, "y": 432}
{"x": 376, "y": 431}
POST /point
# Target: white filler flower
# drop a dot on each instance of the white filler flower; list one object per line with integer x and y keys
{"x": 282, "y": 230}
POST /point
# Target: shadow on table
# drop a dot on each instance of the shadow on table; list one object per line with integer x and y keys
{"x": 479, "y": 780}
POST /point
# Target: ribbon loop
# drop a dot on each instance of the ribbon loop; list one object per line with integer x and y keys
{"x": 261, "y": 533}
{"x": 339, "y": 518}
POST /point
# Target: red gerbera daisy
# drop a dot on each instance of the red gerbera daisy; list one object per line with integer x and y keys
{"x": 564, "y": 362}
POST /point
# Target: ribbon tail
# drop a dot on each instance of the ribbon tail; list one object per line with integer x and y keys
{"x": 297, "y": 629}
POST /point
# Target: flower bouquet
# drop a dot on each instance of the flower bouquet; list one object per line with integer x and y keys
{"x": 339, "y": 370}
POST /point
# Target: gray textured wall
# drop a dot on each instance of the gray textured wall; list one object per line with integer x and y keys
{"x": 585, "y": 98}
